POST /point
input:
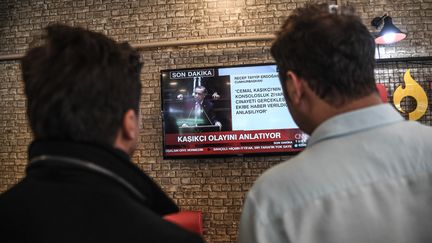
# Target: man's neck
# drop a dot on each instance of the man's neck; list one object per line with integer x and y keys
{"x": 370, "y": 100}
{"x": 326, "y": 111}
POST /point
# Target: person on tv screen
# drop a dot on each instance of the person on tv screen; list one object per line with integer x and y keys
{"x": 365, "y": 175}
{"x": 199, "y": 110}
{"x": 83, "y": 93}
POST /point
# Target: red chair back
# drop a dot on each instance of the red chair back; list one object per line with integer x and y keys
{"x": 190, "y": 220}
{"x": 382, "y": 92}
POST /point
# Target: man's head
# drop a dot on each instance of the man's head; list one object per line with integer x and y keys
{"x": 200, "y": 93}
{"x": 81, "y": 86}
{"x": 330, "y": 51}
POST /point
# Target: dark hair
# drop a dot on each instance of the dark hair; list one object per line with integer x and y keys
{"x": 331, "y": 49}
{"x": 79, "y": 84}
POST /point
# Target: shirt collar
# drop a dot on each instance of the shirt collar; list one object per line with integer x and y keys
{"x": 355, "y": 121}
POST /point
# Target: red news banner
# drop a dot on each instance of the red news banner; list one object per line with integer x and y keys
{"x": 235, "y": 142}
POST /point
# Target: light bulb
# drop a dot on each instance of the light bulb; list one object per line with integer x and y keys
{"x": 389, "y": 37}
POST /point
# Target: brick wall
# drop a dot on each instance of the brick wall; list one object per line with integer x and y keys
{"x": 215, "y": 186}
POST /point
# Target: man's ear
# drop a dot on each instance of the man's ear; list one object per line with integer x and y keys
{"x": 129, "y": 126}
{"x": 294, "y": 86}
{"x": 127, "y": 135}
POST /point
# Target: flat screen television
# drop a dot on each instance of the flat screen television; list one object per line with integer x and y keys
{"x": 226, "y": 111}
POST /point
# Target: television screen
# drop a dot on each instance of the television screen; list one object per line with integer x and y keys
{"x": 223, "y": 111}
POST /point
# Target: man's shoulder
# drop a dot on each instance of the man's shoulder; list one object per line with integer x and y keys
{"x": 291, "y": 170}
{"x": 282, "y": 182}
{"x": 111, "y": 217}
{"x": 417, "y": 126}
{"x": 330, "y": 164}
{"x": 403, "y": 137}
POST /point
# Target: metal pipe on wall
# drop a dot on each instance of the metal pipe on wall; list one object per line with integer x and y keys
{"x": 11, "y": 57}
{"x": 205, "y": 41}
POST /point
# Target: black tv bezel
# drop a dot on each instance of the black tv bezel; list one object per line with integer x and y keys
{"x": 204, "y": 156}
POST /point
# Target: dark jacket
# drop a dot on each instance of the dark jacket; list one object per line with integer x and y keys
{"x": 59, "y": 201}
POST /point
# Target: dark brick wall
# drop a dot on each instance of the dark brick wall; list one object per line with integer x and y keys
{"x": 215, "y": 186}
